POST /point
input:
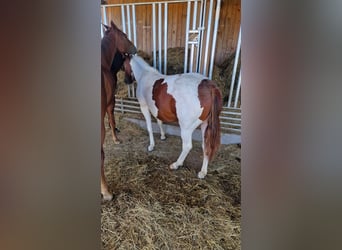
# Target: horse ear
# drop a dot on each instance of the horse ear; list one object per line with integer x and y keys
{"x": 112, "y": 24}
{"x": 106, "y": 26}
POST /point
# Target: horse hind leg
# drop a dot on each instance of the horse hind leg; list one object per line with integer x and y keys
{"x": 162, "y": 132}
{"x": 111, "y": 119}
{"x": 204, "y": 168}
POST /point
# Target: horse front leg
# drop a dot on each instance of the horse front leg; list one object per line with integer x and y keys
{"x": 107, "y": 196}
{"x": 147, "y": 115}
{"x": 111, "y": 119}
{"x": 186, "y": 147}
{"x": 162, "y": 132}
{"x": 104, "y": 186}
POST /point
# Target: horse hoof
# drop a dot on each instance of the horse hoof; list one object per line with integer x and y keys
{"x": 163, "y": 138}
{"x": 150, "y": 148}
{"x": 173, "y": 166}
{"x": 107, "y": 196}
{"x": 116, "y": 141}
{"x": 201, "y": 175}
{"x": 117, "y": 130}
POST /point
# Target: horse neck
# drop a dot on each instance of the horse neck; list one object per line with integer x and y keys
{"x": 108, "y": 50}
{"x": 117, "y": 63}
{"x": 141, "y": 68}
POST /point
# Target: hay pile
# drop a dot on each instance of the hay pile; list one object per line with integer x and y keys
{"x": 156, "y": 208}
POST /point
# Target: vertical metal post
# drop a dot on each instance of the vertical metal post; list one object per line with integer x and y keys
{"x": 237, "y": 93}
{"x": 104, "y": 15}
{"x": 213, "y": 45}
{"x": 205, "y": 65}
{"x": 200, "y": 35}
{"x": 159, "y": 37}
{"x": 236, "y": 60}
{"x": 101, "y": 21}
{"x": 187, "y": 37}
{"x": 194, "y": 15}
{"x": 129, "y": 22}
{"x": 133, "y": 90}
{"x": 134, "y": 26}
{"x": 165, "y": 38}
{"x": 128, "y": 91}
{"x": 101, "y": 30}
{"x": 154, "y": 34}
{"x": 123, "y": 19}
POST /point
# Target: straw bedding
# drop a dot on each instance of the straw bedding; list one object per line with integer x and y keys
{"x": 158, "y": 208}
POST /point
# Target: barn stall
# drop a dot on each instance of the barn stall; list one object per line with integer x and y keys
{"x": 154, "y": 207}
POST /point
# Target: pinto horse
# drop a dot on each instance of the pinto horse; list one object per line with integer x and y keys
{"x": 191, "y": 99}
{"x": 114, "y": 42}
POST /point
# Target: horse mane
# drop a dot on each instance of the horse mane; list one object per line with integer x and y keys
{"x": 144, "y": 64}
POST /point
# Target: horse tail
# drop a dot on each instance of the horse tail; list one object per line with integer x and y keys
{"x": 212, "y": 133}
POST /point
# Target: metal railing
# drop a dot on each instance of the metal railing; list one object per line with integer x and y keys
{"x": 230, "y": 118}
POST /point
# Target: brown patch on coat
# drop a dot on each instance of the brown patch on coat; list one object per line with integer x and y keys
{"x": 204, "y": 95}
{"x": 165, "y": 103}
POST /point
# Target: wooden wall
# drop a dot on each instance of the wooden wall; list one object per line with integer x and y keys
{"x": 228, "y": 30}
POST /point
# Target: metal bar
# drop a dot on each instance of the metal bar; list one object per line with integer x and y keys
{"x": 122, "y": 110}
{"x": 232, "y": 129}
{"x": 154, "y": 34}
{"x": 104, "y": 15}
{"x": 191, "y": 56}
{"x": 237, "y": 93}
{"x": 231, "y": 124}
{"x": 128, "y": 91}
{"x": 134, "y": 26}
{"x": 101, "y": 30}
{"x": 187, "y": 37}
{"x": 123, "y": 19}
{"x": 236, "y": 60}
{"x": 213, "y": 45}
{"x": 194, "y": 17}
{"x": 205, "y": 65}
{"x": 102, "y": 9}
{"x": 230, "y": 118}
{"x": 165, "y": 38}
{"x": 132, "y": 101}
{"x": 159, "y": 37}
{"x": 129, "y": 22}
{"x": 200, "y": 36}
{"x": 148, "y": 3}
{"x": 133, "y": 88}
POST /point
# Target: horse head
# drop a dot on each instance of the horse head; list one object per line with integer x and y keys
{"x": 123, "y": 44}
{"x": 129, "y": 78}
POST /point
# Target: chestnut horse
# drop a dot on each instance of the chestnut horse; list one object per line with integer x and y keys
{"x": 114, "y": 41}
{"x": 191, "y": 99}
